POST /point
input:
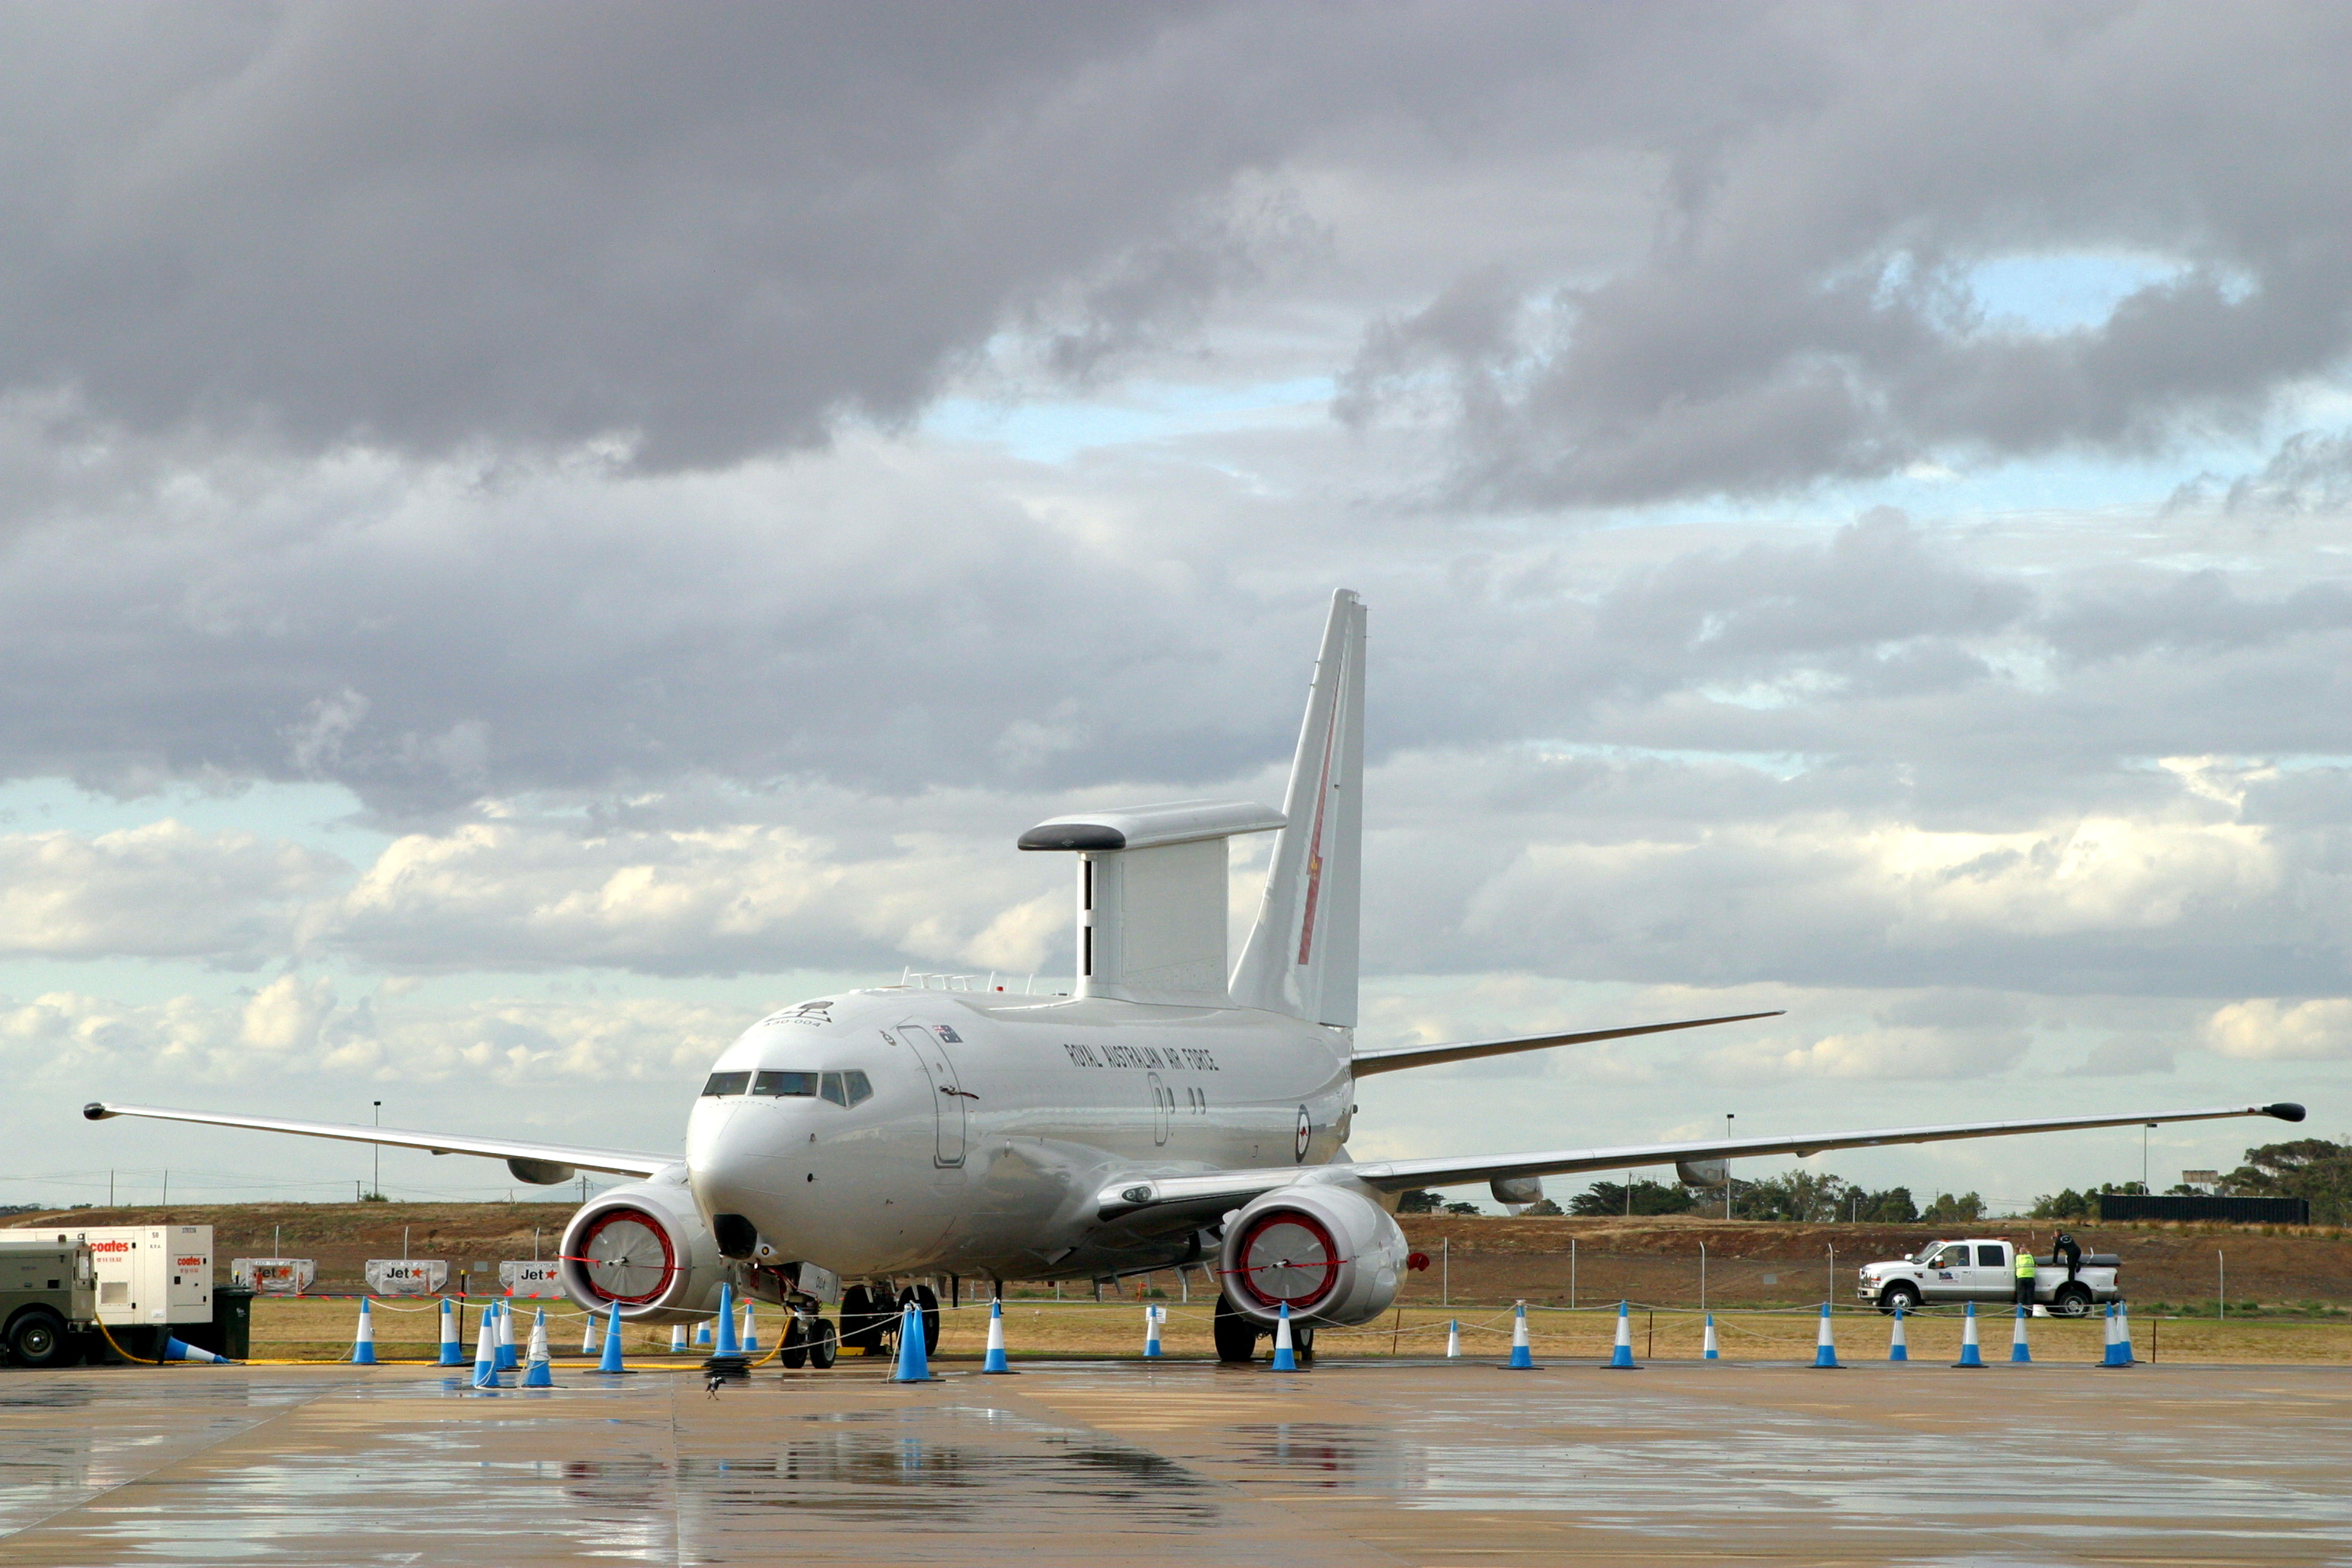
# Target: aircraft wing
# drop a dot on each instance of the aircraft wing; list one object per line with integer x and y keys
{"x": 542, "y": 1163}
{"x": 1203, "y": 1193}
{"x": 1391, "y": 1058}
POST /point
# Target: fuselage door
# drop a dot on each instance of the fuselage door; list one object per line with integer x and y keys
{"x": 948, "y": 1096}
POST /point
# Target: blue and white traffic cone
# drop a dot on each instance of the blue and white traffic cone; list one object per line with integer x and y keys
{"x": 727, "y": 1343}
{"x": 1825, "y": 1344}
{"x": 508, "y": 1360}
{"x": 453, "y": 1350}
{"x": 1621, "y": 1356}
{"x": 702, "y": 1332}
{"x": 485, "y": 1354}
{"x": 2123, "y": 1356}
{"x": 1523, "y": 1354}
{"x": 1708, "y": 1350}
{"x": 914, "y": 1358}
{"x": 588, "y": 1336}
{"x": 2018, "y": 1354}
{"x": 677, "y": 1339}
{"x": 1971, "y": 1353}
{"x": 751, "y": 1331}
{"x": 1897, "y": 1347}
{"x": 180, "y": 1349}
{"x": 1453, "y": 1339}
{"x": 536, "y": 1373}
{"x": 1151, "y": 1331}
{"x": 364, "y": 1338}
{"x": 611, "y": 1360}
{"x": 1285, "y": 1358}
{"x": 995, "y": 1358}
{"x": 2107, "y": 1346}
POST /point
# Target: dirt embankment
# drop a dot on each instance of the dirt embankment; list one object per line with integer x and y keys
{"x": 1768, "y": 1262}
{"x": 1653, "y": 1259}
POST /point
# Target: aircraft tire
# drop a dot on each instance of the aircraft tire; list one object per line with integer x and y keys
{"x": 824, "y": 1345}
{"x": 795, "y": 1350}
{"x": 1236, "y": 1335}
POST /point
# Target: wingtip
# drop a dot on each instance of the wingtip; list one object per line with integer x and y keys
{"x": 96, "y": 1111}
{"x": 2285, "y": 1111}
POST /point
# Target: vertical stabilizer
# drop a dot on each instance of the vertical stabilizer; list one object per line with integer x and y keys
{"x": 1301, "y": 955}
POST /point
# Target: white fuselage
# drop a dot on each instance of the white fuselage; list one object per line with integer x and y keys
{"x": 994, "y": 1119}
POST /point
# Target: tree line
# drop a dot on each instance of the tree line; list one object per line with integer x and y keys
{"x": 2313, "y": 1168}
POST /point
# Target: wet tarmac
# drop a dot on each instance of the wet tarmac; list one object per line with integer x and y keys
{"x": 1375, "y": 1464}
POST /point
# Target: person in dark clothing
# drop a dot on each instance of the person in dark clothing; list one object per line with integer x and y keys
{"x": 2064, "y": 1243}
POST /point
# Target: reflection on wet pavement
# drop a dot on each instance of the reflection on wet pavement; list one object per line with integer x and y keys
{"x": 1361, "y": 1466}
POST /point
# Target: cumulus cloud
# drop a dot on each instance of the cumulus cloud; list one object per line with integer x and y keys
{"x": 2269, "y": 1030}
{"x": 296, "y": 1028}
{"x": 162, "y": 890}
{"x": 504, "y": 895}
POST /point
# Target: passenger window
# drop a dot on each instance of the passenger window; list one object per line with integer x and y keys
{"x": 1952, "y": 1258}
{"x": 784, "y": 1083}
{"x": 727, "y": 1083}
{"x": 833, "y": 1089}
{"x": 859, "y": 1089}
{"x": 1988, "y": 1258}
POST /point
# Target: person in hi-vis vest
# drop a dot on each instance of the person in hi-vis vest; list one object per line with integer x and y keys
{"x": 2025, "y": 1275}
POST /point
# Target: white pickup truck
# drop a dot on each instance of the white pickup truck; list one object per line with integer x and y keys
{"x": 1982, "y": 1270}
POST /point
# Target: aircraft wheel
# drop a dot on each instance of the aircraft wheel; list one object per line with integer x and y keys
{"x": 823, "y": 1345}
{"x": 1302, "y": 1341}
{"x": 861, "y": 1322}
{"x": 1236, "y": 1335}
{"x": 927, "y": 1302}
{"x": 795, "y": 1353}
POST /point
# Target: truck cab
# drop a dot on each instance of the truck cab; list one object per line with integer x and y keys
{"x": 1984, "y": 1269}
{"x": 48, "y": 1296}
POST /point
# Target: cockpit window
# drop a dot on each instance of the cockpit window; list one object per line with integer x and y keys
{"x": 727, "y": 1083}
{"x": 781, "y": 1083}
{"x": 848, "y": 1088}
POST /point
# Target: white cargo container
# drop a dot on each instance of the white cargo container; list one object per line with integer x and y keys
{"x": 275, "y": 1275}
{"x": 532, "y": 1281}
{"x": 152, "y": 1273}
{"x": 407, "y": 1276}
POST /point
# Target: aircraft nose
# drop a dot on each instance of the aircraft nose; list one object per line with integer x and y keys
{"x": 730, "y": 1158}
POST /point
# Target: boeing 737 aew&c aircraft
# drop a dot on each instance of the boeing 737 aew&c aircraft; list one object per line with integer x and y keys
{"x": 1166, "y": 1113}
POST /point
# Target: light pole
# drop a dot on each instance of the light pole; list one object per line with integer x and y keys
{"x": 2144, "y": 1186}
{"x": 1727, "y": 1165}
{"x": 378, "y": 1187}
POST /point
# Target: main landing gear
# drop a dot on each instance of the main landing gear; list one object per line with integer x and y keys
{"x": 1237, "y": 1334}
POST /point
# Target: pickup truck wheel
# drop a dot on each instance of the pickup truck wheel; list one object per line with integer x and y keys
{"x": 2072, "y": 1300}
{"x": 37, "y": 1338}
{"x": 1900, "y": 1294}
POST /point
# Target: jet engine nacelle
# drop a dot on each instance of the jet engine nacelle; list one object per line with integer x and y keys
{"x": 1330, "y": 1254}
{"x": 644, "y": 1245}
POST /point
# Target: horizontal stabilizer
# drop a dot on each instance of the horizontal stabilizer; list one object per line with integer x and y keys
{"x": 1394, "y": 1059}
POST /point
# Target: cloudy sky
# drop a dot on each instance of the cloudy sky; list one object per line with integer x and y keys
{"x": 531, "y": 534}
